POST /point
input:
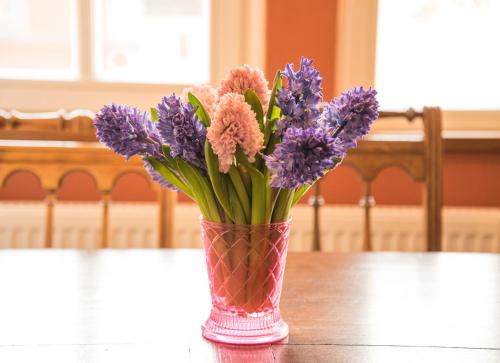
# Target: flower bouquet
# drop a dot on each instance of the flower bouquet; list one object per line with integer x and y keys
{"x": 246, "y": 155}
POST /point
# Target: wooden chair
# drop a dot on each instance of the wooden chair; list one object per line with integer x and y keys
{"x": 50, "y": 159}
{"x": 420, "y": 155}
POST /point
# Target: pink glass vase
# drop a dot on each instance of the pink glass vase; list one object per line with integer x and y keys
{"x": 245, "y": 266}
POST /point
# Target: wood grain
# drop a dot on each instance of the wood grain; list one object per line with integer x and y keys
{"x": 138, "y": 305}
{"x": 51, "y": 161}
{"x": 58, "y": 125}
{"x": 419, "y": 155}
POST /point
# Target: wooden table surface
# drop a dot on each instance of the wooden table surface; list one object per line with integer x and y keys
{"x": 147, "y": 306}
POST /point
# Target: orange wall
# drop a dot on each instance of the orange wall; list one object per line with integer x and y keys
{"x": 77, "y": 186}
{"x": 296, "y": 28}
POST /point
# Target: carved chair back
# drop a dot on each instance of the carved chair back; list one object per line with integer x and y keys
{"x": 420, "y": 155}
{"x": 57, "y": 143}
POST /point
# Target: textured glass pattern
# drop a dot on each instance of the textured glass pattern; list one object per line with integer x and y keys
{"x": 245, "y": 266}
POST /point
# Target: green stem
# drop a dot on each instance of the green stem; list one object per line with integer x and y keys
{"x": 283, "y": 205}
{"x": 241, "y": 191}
{"x": 170, "y": 174}
{"x": 216, "y": 180}
{"x": 269, "y": 196}
{"x": 299, "y": 193}
{"x": 239, "y": 215}
{"x": 201, "y": 189}
{"x": 258, "y": 190}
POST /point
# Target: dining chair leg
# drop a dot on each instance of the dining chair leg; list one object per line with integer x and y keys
{"x": 106, "y": 196}
{"x": 316, "y": 201}
{"x": 49, "y": 216}
{"x": 433, "y": 187}
{"x": 367, "y": 201}
{"x": 166, "y": 217}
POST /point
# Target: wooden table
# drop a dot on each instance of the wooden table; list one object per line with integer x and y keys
{"x": 147, "y": 306}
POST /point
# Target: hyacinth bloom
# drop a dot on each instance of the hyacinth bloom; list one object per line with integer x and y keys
{"x": 241, "y": 79}
{"x": 127, "y": 131}
{"x": 303, "y": 146}
{"x": 181, "y": 129}
{"x": 351, "y": 115}
{"x": 205, "y": 93}
{"x": 234, "y": 124}
{"x": 299, "y": 98}
{"x": 303, "y": 156}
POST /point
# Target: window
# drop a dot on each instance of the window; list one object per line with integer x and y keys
{"x": 84, "y": 53}
{"x": 438, "y": 52}
{"x": 142, "y": 41}
{"x": 152, "y": 41}
{"x": 33, "y": 45}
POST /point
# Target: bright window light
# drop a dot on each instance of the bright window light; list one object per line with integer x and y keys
{"x": 438, "y": 52}
{"x": 152, "y": 41}
{"x": 38, "y": 39}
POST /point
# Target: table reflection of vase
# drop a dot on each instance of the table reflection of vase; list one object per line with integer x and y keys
{"x": 225, "y": 353}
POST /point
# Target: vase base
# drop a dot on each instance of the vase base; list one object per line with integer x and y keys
{"x": 236, "y": 330}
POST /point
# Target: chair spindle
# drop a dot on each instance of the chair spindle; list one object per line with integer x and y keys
{"x": 367, "y": 201}
{"x": 106, "y": 196}
{"x": 316, "y": 201}
{"x": 49, "y": 216}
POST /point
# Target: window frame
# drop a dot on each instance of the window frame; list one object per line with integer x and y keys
{"x": 356, "y": 37}
{"x": 237, "y": 36}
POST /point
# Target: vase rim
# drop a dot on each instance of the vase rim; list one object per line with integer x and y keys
{"x": 206, "y": 221}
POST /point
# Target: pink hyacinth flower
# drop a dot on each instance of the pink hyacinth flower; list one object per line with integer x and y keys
{"x": 234, "y": 124}
{"x": 205, "y": 93}
{"x": 240, "y": 79}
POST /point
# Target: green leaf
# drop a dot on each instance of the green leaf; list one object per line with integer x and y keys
{"x": 169, "y": 160}
{"x": 273, "y": 112}
{"x": 215, "y": 179}
{"x": 278, "y": 84}
{"x": 201, "y": 190}
{"x": 300, "y": 191}
{"x": 276, "y": 113}
{"x": 154, "y": 114}
{"x": 170, "y": 175}
{"x": 254, "y": 102}
{"x": 200, "y": 110}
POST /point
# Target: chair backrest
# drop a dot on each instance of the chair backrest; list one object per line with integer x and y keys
{"x": 59, "y": 125}
{"x": 43, "y": 153}
{"x": 419, "y": 154}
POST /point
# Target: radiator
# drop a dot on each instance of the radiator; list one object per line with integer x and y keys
{"x": 132, "y": 225}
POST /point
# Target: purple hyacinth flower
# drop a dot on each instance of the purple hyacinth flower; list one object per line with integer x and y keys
{"x": 157, "y": 177}
{"x": 302, "y": 157}
{"x": 299, "y": 99}
{"x": 351, "y": 115}
{"x": 181, "y": 129}
{"x": 127, "y": 131}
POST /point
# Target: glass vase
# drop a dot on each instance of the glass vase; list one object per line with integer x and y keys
{"x": 245, "y": 266}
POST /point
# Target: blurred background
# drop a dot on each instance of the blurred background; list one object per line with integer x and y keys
{"x": 58, "y": 56}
